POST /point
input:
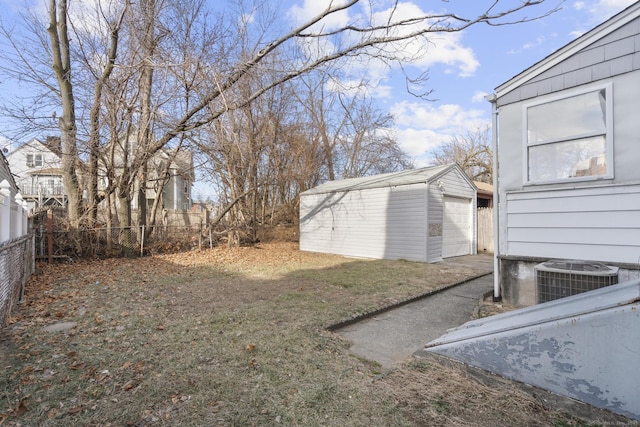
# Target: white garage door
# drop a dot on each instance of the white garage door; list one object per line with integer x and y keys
{"x": 456, "y": 227}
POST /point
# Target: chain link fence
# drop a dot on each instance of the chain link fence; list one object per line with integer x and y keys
{"x": 120, "y": 241}
{"x": 16, "y": 266}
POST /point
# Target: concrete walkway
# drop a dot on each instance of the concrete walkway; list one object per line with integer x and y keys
{"x": 395, "y": 335}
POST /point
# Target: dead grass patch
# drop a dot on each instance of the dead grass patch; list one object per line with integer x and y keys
{"x": 229, "y": 337}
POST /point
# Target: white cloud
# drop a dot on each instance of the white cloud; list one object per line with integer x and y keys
{"x": 428, "y": 116}
{"x": 419, "y": 142}
{"x": 579, "y": 5}
{"x": 539, "y": 41}
{"x": 479, "y": 96}
{"x": 595, "y": 12}
{"x": 600, "y": 10}
{"x": 421, "y": 126}
{"x": 309, "y": 9}
{"x": 438, "y": 48}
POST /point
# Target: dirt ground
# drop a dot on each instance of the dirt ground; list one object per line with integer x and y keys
{"x": 236, "y": 337}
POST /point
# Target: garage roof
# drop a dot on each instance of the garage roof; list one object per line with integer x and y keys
{"x": 393, "y": 179}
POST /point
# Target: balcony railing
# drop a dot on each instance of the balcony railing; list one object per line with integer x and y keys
{"x": 41, "y": 190}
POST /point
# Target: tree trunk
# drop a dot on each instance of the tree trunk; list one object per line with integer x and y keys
{"x": 61, "y": 64}
{"x": 94, "y": 118}
{"x": 146, "y": 82}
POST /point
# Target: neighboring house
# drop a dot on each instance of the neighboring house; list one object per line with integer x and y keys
{"x": 567, "y": 156}
{"x": 176, "y": 193}
{"x": 485, "y": 194}
{"x": 419, "y": 215}
{"x": 173, "y": 171}
{"x": 36, "y": 166}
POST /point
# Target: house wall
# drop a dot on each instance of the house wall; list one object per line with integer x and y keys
{"x": 389, "y": 223}
{"x": 612, "y": 55}
{"x": 452, "y": 184}
{"x": 592, "y": 220}
{"x": 174, "y": 195}
{"x": 18, "y": 163}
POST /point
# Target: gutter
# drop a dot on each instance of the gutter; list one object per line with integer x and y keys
{"x": 496, "y": 196}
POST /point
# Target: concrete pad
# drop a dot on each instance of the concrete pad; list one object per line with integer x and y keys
{"x": 395, "y": 335}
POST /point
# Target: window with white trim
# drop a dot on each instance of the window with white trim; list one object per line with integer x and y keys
{"x": 569, "y": 138}
{"x": 34, "y": 160}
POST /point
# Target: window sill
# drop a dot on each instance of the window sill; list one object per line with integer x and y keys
{"x": 569, "y": 181}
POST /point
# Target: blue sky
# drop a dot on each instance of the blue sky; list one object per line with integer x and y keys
{"x": 463, "y": 67}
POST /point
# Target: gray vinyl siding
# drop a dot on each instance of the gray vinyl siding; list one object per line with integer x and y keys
{"x": 435, "y": 218}
{"x": 376, "y": 223}
{"x": 615, "y": 54}
{"x": 389, "y": 216}
{"x": 453, "y": 184}
{"x": 406, "y": 223}
{"x": 588, "y": 204}
{"x": 598, "y": 223}
{"x": 592, "y": 219}
{"x": 626, "y": 128}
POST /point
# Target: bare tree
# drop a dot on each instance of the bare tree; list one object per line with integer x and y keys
{"x": 225, "y": 55}
{"x": 368, "y": 145}
{"x": 61, "y": 65}
{"x": 471, "y": 150}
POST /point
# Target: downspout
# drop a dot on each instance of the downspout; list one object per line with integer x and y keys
{"x": 496, "y": 197}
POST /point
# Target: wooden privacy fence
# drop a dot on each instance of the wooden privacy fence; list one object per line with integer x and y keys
{"x": 485, "y": 230}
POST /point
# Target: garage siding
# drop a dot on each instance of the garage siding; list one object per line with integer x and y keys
{"x": 456, "y": 228}
{"x": 454, "y": 184}
{"x": 374, "y": 223}
{"x": 388, "y": 216}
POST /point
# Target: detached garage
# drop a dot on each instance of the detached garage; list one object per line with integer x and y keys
{"x": 419, "y": 215}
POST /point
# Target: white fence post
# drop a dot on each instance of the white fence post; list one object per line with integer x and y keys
{"x": 25, "y": 218}
{"x": 5, "y": 211}
{"x": 18, "y": 218}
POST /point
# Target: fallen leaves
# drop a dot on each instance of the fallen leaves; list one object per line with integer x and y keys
{"x": 76, "y": 366}
{"x": 75, "y": 410}
{"x": 21, "y": 409}
{"x": 179, "y": 337}
{"x": 129, "y": 385}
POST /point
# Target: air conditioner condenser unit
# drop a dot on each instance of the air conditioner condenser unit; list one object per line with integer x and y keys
{"x": 562, "y": 278}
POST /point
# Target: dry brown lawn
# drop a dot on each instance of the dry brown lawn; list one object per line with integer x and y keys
{"x": 233, "y": 337}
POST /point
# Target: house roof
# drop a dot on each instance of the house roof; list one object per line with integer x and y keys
{"x": 34, "y": 144}
{"x": 182, "y": 161}
{"x": 617, "y": 21}
{"x": 483, "y": 187}
{"x": 393, "y": 179}
{"x": 47, "y": 171}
